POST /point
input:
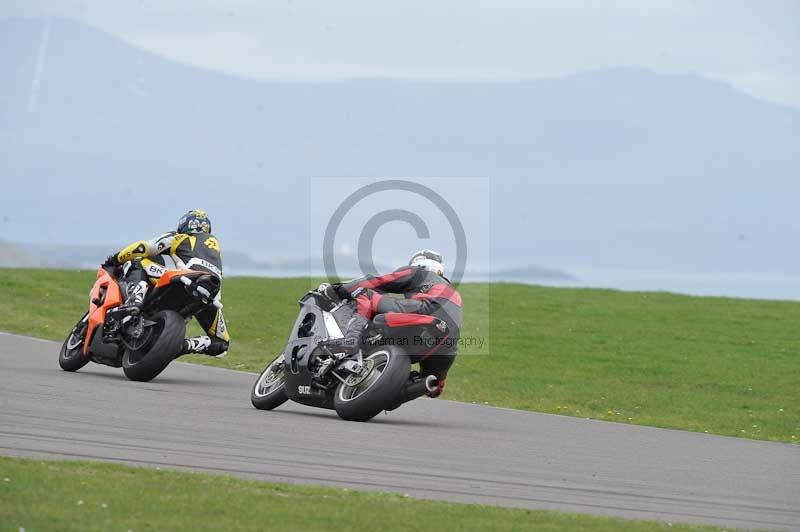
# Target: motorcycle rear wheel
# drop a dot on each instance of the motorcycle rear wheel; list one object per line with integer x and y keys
{"x": 145, "y": 364}
{"x": 389, "y": 371}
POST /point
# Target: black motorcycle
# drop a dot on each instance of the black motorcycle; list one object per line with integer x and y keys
{"x": 309, "y": 371}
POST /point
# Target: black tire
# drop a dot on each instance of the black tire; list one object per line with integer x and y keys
{"x": 269, "y": 392}
{"x": 145, "y": 364}
{"x": 379, "y": 390}
{"x": 71, "y": 357}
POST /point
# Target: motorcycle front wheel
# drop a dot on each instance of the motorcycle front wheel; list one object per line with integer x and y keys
{"x": 71, "y": 357}
{"x": 269, "y": 392}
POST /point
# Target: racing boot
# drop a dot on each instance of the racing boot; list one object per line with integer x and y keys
{"x": 205, "y": 345}
{"x": 135, "y": 299}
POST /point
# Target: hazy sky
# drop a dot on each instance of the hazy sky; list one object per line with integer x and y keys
{"x": 752, "y": 44}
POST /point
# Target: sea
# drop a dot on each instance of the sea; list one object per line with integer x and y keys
{"x": 748, "y": 286}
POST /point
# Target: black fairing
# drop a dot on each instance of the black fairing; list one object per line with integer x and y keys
{"x": 308, "y": 330}
{"x": 301, "y": 350}
{"x": 107, "y": 353}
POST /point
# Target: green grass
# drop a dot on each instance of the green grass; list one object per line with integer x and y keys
{"x": 37, "y": 495}
{"x": 726, "y": 366}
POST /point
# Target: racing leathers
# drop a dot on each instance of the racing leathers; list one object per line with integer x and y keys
{"x": 144, "y": 261}
{"x": 429, "y": 299}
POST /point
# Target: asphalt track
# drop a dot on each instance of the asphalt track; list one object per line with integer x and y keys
{"x": 200, "y": 418}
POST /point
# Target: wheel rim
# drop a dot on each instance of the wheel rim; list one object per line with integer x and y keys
{"x": 376, "y": 363}
{"x": 270, "y": 379}
{"x": 75, "y": 340}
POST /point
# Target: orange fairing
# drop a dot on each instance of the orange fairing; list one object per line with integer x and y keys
{"x": 97, "y": 311}
{"x": 169, "y": 275}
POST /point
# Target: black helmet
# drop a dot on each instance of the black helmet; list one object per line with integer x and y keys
{"x": 194, "y": 221}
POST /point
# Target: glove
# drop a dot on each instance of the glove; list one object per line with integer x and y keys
{"x": 111, "y": 260}
{"x": 323, "y": 288}
{"x": 342, "y": 292}
{"x": 438, "y": 390}
{"x": 328, "y": 292}
{"x": 334, "y": 292}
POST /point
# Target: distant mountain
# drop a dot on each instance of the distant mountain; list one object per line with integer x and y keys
{"x": 620, "y": 167}
{"x": 531, "y": 273}
{"x": 21, "y": 255}
{"x": 11, "y": 256}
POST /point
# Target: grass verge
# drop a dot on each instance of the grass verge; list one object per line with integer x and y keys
{"x": 725, "y": 366}
{"x": 43, "y": 495}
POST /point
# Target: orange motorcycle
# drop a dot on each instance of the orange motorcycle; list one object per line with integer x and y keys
{"x": 142, "y": 342}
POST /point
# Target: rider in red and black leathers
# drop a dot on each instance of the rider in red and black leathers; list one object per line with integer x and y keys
{"x": 429, "y": 299}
